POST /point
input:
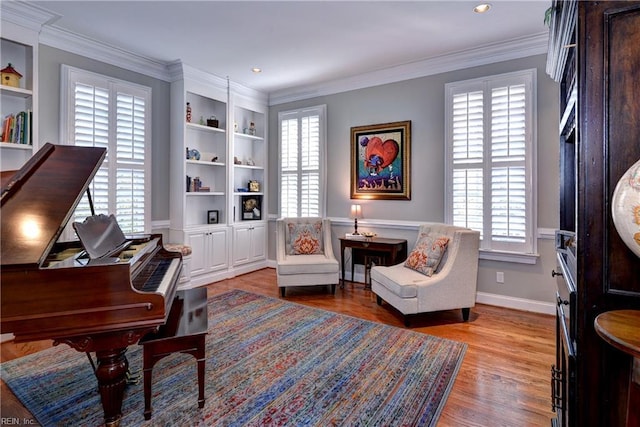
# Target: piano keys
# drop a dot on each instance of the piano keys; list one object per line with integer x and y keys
{"x": 50, "y": 291}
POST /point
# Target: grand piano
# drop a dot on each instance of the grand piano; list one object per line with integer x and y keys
{"x": 52, "y": 290}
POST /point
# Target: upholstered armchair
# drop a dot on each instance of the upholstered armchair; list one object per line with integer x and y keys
{"x": 441, "y": 273}
{"x": 304, "y": 256}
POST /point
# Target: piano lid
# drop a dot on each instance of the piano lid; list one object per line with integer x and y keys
{"x": 39, "y": 199}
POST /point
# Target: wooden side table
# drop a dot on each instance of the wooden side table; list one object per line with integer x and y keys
{"x": 621, "y": 329}
{"x": 184, "y": 332}
{"x": 387, "y": 251}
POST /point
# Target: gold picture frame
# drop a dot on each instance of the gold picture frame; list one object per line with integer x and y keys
{"x": 381, "y": 162}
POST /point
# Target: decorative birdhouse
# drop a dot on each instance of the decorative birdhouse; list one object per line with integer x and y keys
{"x": 10, "y": 77}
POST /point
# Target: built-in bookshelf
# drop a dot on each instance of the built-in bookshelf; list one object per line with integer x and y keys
{"x": 18, "y": 105}
{"x": 248, "y": 180}
{"x": 218, "y": 173}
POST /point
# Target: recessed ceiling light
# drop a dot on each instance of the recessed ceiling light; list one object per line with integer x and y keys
{"x": 256, "y": 70}
{"x": 482, "y": 8}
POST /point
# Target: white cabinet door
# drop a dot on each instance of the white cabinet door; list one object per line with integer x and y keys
{"x": 198, "y": 242}
{"x": 249, "y": 244}
{"x": 241, "y": 245}
{"x": 218, "y": 249}
{"x": 258, "y": 244}
{"x": 209, "y": 250}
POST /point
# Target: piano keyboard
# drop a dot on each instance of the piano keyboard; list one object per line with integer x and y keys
{"x": 157, "y": 275}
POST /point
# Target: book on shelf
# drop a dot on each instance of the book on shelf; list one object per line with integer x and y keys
{"x": 17, "y": 128}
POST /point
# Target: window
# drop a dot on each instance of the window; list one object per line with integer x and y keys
{"x": 302, "y": 162}
{"x": 490, "y": 159}
{"x": 100, "y": 111}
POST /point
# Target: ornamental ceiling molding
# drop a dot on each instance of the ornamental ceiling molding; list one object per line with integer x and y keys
{"x": 489, "y": 54}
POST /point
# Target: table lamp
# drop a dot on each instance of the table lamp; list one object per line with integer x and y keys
{"x": 356, "y": 212}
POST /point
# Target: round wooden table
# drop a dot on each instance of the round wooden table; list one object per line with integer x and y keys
{"x": 621, "y": 329}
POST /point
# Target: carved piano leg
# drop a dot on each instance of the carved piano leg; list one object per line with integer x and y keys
{"x": 112, "y": 379}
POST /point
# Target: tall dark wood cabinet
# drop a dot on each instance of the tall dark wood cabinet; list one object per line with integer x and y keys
{"x": 594, "y": 53}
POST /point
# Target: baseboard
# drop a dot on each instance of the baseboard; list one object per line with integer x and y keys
{"x": 516, "y": 303}
{"x": 489, "y": 299}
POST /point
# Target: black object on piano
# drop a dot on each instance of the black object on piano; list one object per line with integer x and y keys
{"x": 101, "y": 236}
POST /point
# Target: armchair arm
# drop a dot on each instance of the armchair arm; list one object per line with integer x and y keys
{"x": 326, "y": 237}
{"x": 280, "y": 243}
{"x": 456, "y": 284}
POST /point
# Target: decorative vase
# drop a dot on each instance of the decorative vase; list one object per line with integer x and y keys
{"x": 625, "y": 208}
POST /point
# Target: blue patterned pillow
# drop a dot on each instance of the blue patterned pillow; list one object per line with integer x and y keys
{"x": 427, "y": 253}
{"x": 305, "y": 238}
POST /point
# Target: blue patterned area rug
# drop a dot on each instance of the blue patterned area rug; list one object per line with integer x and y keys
{"x": 269, "y": 362}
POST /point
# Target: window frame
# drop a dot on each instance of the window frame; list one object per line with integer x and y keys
{"x": 525, "y": 252}
{"x": 321, "y": 112}
{"x": 69, "y": 76}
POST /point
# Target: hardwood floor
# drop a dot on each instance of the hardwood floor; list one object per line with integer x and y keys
{"x": 504, "y": 378}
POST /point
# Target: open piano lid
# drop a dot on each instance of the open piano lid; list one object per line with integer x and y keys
{"x": 39, "y": 199}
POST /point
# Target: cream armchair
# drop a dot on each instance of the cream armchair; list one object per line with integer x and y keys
{"x": 451, "y": 286}
{"x": 304, "y": 255}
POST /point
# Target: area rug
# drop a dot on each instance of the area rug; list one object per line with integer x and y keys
{"x": 269, "y": 362}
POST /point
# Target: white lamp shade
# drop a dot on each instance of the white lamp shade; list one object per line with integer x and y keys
{"x": 356, "y": 211}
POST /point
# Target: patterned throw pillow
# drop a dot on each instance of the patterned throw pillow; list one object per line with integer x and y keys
{"x": 306, "y": 239}
{"x": 427, "y": 253}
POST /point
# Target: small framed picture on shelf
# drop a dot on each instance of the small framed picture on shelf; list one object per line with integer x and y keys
{"x": 212, "y": 217}
{"x": 251, "y": 207}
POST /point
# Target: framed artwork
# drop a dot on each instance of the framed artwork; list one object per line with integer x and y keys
{"x": 251, "y": 207}
{"x": 212, "y": 217}
{"x": 381, "y": 161}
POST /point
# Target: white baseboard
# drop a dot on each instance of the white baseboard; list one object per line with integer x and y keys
{"x": 516, "y": 303}
{"x": 489, "y": 299}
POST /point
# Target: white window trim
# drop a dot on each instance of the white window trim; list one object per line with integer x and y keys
{"x": 530, "y": 78}
{"x": 321, "y": 110}
{"x": 68, "y": 74}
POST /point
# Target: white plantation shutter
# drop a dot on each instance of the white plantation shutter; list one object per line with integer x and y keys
{"x": 508, "y": 172}
{"x": 104, "y": 112}
{"x": 467, "y": 139}
{"x": 91, "y": 129}
{"x": 490, "y": 159}
{"x": 131, "y": 153}
{"x": 289, "y": 167}
{"x": 302, "y": 157}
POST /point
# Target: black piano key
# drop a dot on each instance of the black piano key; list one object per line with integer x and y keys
{"x": 152, "y": 275}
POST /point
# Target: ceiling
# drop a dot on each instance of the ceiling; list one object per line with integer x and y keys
{"x": 296, "y": 43}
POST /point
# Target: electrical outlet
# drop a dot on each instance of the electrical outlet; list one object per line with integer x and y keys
{"x": 500, "y": 277}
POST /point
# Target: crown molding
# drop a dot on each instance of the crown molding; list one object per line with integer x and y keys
{"x": 248, "y": 94}
{"x": 80, "y": 45}
{"x": 25, "y": 15}
{"x": 489, "y": 54}
{"x": 178, "y": 70}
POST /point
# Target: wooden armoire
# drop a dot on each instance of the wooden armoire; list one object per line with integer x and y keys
{"x": 594, "y": 53}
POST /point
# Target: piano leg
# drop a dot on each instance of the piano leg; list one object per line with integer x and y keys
{"x": 112, "y": 379}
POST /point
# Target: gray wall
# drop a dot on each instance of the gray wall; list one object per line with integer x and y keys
{"x": 419, "y": 100}
{"x": 51, "y": 59}
{"x": 422, "y": 101}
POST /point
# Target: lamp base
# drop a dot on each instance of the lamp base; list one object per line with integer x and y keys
{"x": 355, "y": 226}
